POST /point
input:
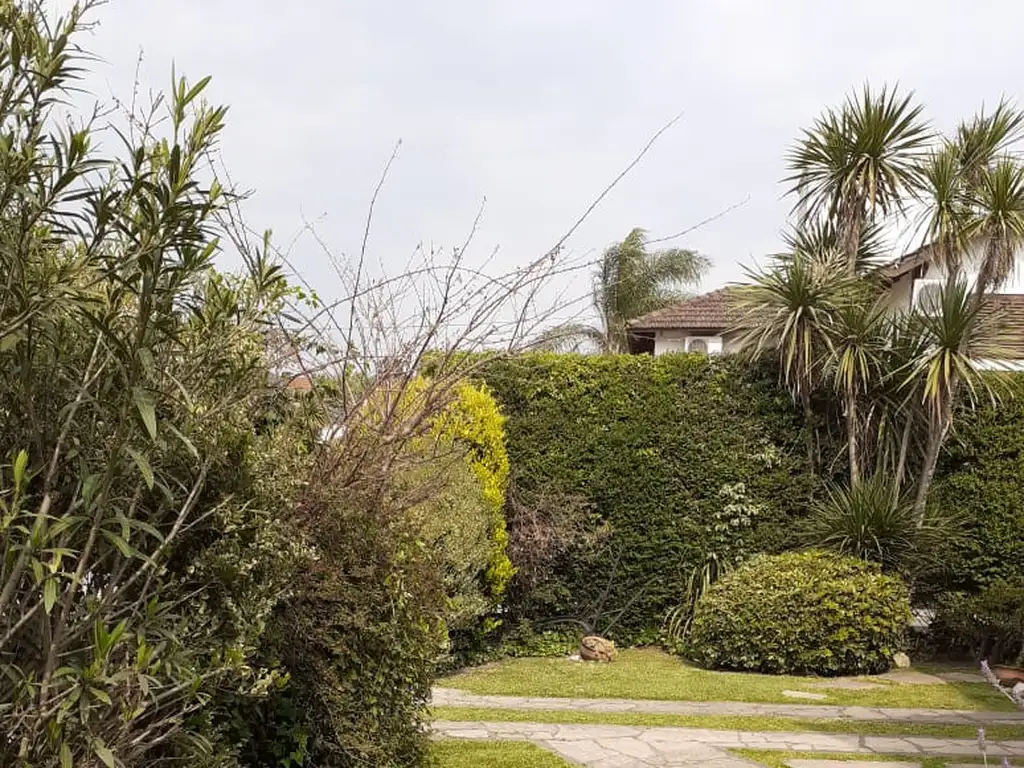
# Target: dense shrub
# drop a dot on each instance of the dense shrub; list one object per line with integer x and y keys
{"x": 801, "y": 613}
{"x": 643, "y": 447}
{"x": 980, "y": 481}
{"x": 144, "y": 539}
{"x": 989, "y": 624}
{"x": 407, "y": 558}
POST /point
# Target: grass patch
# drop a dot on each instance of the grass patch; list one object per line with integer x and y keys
{"x": 454, "y": 753}
{"x": 652, "y": 674}
{"x": 726, "y": 722}
{"x": 773, "y": 759}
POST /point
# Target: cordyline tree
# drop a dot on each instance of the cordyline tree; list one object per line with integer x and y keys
{"x": 157, "y": 487}
{"x": 822, "y": 307}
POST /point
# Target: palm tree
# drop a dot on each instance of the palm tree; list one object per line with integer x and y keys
{"x": 972, "y": 189}
{"x": 857, "y": 345}
{"x": 858, "y": 162}
{"x": 997, "y": 223}
{"x": 629, "y": 281}
{"x": 789, "y": 310}
{"x": 956, "y": 336}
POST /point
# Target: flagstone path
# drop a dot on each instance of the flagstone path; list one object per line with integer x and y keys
{"x": 613, "y": 746}
{"x": 450, "y": 697}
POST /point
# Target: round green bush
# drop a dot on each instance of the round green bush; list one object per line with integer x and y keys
{"x": 805, "y": 613}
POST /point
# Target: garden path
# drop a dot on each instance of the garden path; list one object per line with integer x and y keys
{"x": 450, "y": 697}
{"x": 614, "y": 746}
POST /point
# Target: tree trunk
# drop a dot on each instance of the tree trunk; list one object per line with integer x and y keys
{"x": 901, "y": 464}
{"x": 851, "y": 438}
{"x": 936, "y": 437}
{"x": 851, "y": 233}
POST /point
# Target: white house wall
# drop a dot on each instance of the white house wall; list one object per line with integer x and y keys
{"x": 668, "y": 341}
{"x": 901, "y": 292}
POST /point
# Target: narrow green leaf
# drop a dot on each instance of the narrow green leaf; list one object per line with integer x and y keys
{"x": 147, "y": 409}
{"x": 49, "y": 595}
{"x": 196, "y": 89}
{"x": 100, "y": 695}
{"x": 20, "y": 465}
{"x": 104, "y": 754}
{"x": 66, "y": 761}
{"x": 120, "y": 544}
{"x": 144, "y": 468}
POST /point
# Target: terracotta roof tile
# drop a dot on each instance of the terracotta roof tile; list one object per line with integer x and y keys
{"x": 709, "y": 311}
{"x": 1008, "y": 312}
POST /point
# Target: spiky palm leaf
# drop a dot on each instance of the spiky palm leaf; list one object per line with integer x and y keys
{"x": 986, "y": 137}
{"x": 789, "y": 309}
{"x": 998, "y": 221}
{"x": 959, "y": 336}
{"x": 821, "y": 241}
{"x": 874, "y": 521}
{"x": 946, "y": 208}
{"x": 857, "y": 162}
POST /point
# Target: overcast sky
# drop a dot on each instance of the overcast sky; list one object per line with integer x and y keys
{"x": 538, "y": 105}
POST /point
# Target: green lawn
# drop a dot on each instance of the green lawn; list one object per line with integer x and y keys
{"x": 453, "y": 753}
{"x": 781, "y": 759}
{"x": 651, "y": 674}
{"x": 727, "y": 722}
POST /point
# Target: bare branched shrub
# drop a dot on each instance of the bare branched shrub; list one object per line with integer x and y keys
{"x": 543, "y": 525}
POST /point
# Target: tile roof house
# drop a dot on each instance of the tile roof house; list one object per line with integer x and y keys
{"x": 699, "y": 324}
{"x": 707, "y": 323}
{"x": 915, "y": 275}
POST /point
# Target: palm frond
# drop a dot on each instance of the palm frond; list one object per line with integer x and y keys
{"x": 985, "y": 137}
{"x": 999, "y": 220}
{"x": 789, "y": 309}
{"x": 860, "y": 159}
{"x": 569, "y": 337}
{"x": 946, "y": 208}
{"x": 875, "y": 521}
{"x": 630, "y": 282}
{"x": 958, "y": 335}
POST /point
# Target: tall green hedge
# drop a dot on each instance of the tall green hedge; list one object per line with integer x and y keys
{"x": 650, "y": 443}
{"x": 981, "y": 479}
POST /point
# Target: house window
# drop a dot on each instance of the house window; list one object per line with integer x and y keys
{"x": 697, "y": 346}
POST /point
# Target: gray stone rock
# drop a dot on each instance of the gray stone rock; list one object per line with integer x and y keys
{"x": 901, "y": 660}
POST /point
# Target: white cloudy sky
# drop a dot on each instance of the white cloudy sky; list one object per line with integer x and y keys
{"x": 538, "y": 105}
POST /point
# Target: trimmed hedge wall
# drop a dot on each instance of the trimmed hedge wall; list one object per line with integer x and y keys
{"x": 657, "y": 446}
{"x": 650, "y": 442}
{"x": 981, "y": 478}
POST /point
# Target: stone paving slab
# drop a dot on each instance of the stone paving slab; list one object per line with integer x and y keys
{"x": 845, "y": 684}
{"x": 615, "y": 746}
{"x": 961, "y": 677}
{"x": 849, "y": 764}
{"x": 450, "y": 697}
{"x": 804, "y": 695}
